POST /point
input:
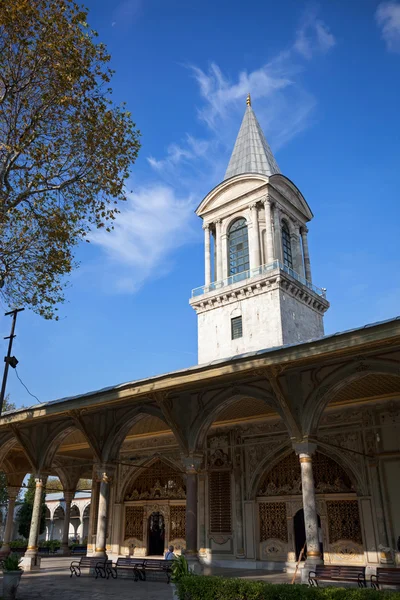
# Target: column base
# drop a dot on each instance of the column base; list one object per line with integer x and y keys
{"x": 30, "y": 561}
{"x": 5, "y": 549}
{"x": 100, "y": 552}
{"x": 309, "y": 565}
{"x": 64, "y": 550}
{"x": 194, "y": 564}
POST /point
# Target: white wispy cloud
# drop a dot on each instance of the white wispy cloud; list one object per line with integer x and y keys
{"x": 126, "y": 13}
{"x": 388, "y": 19}
{"x": 157, "y": 219}
{"x": 154, "y": 222}
{"x": 313, "y": 36}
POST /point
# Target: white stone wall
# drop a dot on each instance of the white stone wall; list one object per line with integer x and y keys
{"x": 270, "y": 318}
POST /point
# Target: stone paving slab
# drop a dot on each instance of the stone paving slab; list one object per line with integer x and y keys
{"x": 53, "y": 582}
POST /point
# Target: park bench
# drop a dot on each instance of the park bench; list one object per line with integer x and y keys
{"x": 385, "y": 576}
{"x": 337, "y": 573}
{"x": 158, "y": 565}
{"x": 139, "y": 567}
{"x": 128, "y": 564}
{"x": 79, "y": 550}
{"x": 90, "y": 562}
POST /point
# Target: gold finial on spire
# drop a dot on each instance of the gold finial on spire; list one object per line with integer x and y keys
{"x": 248, "y": 101}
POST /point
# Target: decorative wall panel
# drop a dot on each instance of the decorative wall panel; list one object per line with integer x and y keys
{"x": 344, "y": 521}
{"x": 220, "y": 501}
{"x": 134, "y": 522}
{"x": 177, "y": 522}
{"x": 159, "y": 480}
{"x": 273, "y": 521}
{"x": 285, "y": 477}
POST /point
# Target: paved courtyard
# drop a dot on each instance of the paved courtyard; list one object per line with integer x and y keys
{"x": 53, "y": 582}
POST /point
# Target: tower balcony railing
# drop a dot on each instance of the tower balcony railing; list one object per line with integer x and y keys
{"x": 250, "y": 273}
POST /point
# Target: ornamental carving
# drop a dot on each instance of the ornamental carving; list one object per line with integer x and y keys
{"x": 257, "y": 452}
{"x": 273, "y": 521}
{"x": 219, "y": 459}
{"x": 157, "y": 481}
{"x": 344, "y": 521}
{"x": 285, "y": 477}
{"x": 134, "y": 522}
{"x": 177, "y": 516}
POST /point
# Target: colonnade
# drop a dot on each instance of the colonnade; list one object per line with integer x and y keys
{"x": 272, "y": 242}
{"x": 192, "y": 465}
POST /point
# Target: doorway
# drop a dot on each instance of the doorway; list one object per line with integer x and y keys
{"x": 300, "y": 534}
{"x": 156, "y": 534}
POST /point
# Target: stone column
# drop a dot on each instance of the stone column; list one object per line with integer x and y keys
{"x": 269, "y": 240}
{"x": 278, "y": 234}
{"x": 68, "y": 497}
{"x": 12, "y": 496}
{"x": 305, "y": 450}
{"x": 255, "y": 238}
{"x": 224, "y": 246}
{"x": 93, "y": 513}
{"x": 239, "y": 511}
{"x": 296, "y": 248}
{"x": 306, "y": 255}
{"x": 192, "y": 465}
{"x": 31, "y": 560}
{"x": 376, "y": 489}
{"x": 51, "y": 529}
{"x": 207, "y": 255}
{"x": 101, "y": 534}
{"x": 214, "y": 269}
{"x": 218, "y": 244}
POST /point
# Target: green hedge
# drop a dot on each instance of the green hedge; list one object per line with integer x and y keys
{"x": 220, "y": 588}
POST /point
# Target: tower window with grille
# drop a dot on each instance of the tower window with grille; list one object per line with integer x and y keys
{"x": 236, "y": 328}
{"x": 238, "y": 247}
{"x": 286, "y": 246}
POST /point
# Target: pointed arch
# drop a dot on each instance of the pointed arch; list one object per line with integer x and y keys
{"x": 220, "y": 401}
{"x": 338, "y": 380}
{"x": 121, "y": 428}
{"x": 144, "y": 476}
{"x": 273, "y": 459}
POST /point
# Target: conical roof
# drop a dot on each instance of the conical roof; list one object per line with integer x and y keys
{"x": 251, "y": 153}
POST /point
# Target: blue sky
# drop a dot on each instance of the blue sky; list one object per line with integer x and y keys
{"x": 325, "y": 84}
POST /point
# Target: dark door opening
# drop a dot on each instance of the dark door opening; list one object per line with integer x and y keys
{"x": 156, "y": 534}
{"x": 300, "y": 534}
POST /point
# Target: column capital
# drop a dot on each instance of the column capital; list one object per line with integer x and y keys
{"x": 218, "y": 221}
{"x": 206, "y": 226}
{"x": 12, "y": 492}
{"x": 253, "y": 206}
{"x": 105, "y": 472}
{"x": 304, "y": 449}
{"x": 193, "y": 462}
{"x": 69, "y": 496}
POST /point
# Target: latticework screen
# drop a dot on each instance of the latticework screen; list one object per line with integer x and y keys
{"x": 178, "y": 522}
{"x": 134, "y": 522}
{"x": 273, "y": 521}
{"x": 344, "y": 521}
{"x": 220, "y": 502}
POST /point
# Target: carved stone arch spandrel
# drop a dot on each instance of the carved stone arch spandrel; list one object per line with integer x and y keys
{"x": 336, "y": 381}
{"x": 271, "y": 459}
{"x": 121, "y": 426}
{"x": 219, "y": 401}
{"x": 128, "y": 476}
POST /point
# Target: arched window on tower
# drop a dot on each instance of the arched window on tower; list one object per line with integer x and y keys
{"x": 238, "y": 246}
{"x": 286, "y": 246}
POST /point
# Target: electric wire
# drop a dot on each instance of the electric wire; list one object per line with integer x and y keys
{"x": 30, "y": 393}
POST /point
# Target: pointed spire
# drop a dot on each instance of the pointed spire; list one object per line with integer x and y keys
{"x": 251, "y": 153}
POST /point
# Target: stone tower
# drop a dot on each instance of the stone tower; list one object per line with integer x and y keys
{"x": 258, "y": 290}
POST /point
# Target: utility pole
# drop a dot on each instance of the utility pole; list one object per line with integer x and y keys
{"x": 9, "y": 360}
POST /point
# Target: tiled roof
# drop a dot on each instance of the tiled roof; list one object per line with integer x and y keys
{"x": 251, "y": 153}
